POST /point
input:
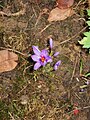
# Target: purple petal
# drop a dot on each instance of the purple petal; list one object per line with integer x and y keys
{"x": 35, "y": 58}
{"x": 55, "y": 67}
{"x": 87, "y": 82}
{"x": 43, "y": 63}
{"x": 56, "y": 54}
{"x": 37, "y": 65}
{"x": 57, "y": 64}
{"x": 51, "y": 43}
{"x": 82, "y": 90}
{"x": 49, "y": 59}
{"x": 36, "y": 50}
{"x": 44, "y": 53}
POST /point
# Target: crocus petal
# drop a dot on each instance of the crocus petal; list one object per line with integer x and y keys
{"x": 49, "y": 59}
{"x": 36, "y": 50}
{"x": 87, "y": 82}
{"x": 43, "y": 63}
{"x": 56, "y": 54}
{"x": 55, "y": 67}
{"x": 37, "y": 65}
{"x": 57, "y": 64}
{"x": 51, "y": 43}
{"x": 35, "y": 58}
{"x": 44, "y": 53}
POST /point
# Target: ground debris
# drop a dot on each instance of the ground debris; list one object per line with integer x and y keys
{"x": 21, "y": 12}
{"x": 60, "y": 14}
{"x": 7, "y": 60}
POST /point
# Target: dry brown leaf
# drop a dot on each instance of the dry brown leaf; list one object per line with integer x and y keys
{"x": 7, "y": 60}
{"x": 89, "y": 4}
{"x": 63, "y": 4}
{"x": 60, "y": 14}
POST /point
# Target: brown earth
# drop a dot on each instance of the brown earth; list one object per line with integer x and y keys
{"x": 33, "y": 95}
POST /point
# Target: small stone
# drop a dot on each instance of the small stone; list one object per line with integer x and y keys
{"x": 39, "y": 86}
{"x": 24, "y": 99}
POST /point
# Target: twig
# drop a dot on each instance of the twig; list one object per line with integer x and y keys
{"x": 11, "y": 116}
{"x": 39, "y": 17}
{"x": 81, "y": 108}
{"x": 72, "y": 37}
{"x": 45, "y": 28}
{"x": 77, "y": 96}
{"x": 21, "y": 12}
{"x": 14, "y": 51}
{"x": 74, "y": 68}
{"x": 22, "y": 89}
{"x": 26, "y": 69}
{"x": 34, "y": 11}
{"x": 78, "y": 4}
{"x": 44, "y": 11}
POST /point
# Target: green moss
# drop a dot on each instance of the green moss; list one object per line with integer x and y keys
{"x": 4, "y": 111}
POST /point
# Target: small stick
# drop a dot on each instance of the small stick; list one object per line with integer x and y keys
{"x": 21, "y": 12}
{"x": 11, "y": 116}
{"x": 86, "y": 107}
{"x": 39, "y": 17}
{"x": 34, "y": 11}
{"x": 45, "y": 28}
{"x": 74, "y": 68}
{"x": 72, "y": 37}
{"x": 14, "y": 51}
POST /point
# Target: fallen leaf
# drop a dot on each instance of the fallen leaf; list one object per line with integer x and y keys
{"x": 63, "y": 4}
{"x": 60, "y": 14}
{"x": 89, "y": 4}
{"x": 7, "y": 60}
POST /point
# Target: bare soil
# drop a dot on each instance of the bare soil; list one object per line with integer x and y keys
{"x": 32, "y": 95}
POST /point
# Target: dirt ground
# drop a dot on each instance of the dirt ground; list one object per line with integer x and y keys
{"x": 32, "y": 95}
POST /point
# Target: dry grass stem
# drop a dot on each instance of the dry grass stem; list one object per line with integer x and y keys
{"x": 18, "y": 52}
{"x": 21, "y": 12}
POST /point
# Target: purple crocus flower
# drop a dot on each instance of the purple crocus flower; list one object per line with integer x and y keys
{"x": 51, "y": 43}
{"x": 40, "y": 57}
{"x": 57, "y": 64}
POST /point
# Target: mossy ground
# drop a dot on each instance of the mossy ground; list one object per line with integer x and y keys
{"x": 33, "y": 95}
